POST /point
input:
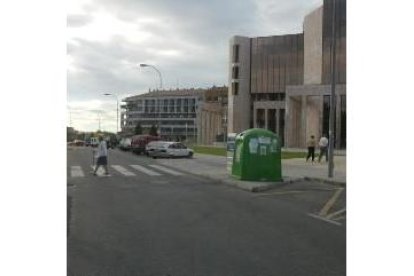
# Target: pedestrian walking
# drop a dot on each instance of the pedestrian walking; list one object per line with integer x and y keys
{"x": 323, "y": 146}
{"x": 311, "y": 144}
{"x": 101, "y": 156}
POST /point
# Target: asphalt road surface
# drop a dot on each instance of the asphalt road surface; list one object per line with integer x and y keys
{"x": 145, "y": 219}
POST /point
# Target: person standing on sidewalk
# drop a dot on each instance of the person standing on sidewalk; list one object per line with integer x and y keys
{"x": 311, "y": 144}
{"x": 102, "y": 156}
{"x": 323, "y": 146}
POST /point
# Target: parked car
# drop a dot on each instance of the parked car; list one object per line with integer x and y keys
{"x": 79, "y": 143}
{"x": 125, "y": 143}
{"x": 151, "y": 146}
{"x": 168, "y": 150}
{"x": 138, "y": 142}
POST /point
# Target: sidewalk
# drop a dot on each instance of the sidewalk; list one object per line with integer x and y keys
{"x": 299, "y": 168}
{"x": 337, "y": 152}
{"x": 214, "y": 167}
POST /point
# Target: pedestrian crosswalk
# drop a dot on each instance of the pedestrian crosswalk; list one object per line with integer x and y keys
{"x": 145, "y": 170}
{"x": 76, "y": 171}
{"x": 122, "y": 170}
{"x": 164, "y": 169}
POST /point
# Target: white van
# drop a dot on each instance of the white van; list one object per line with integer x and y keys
{"x": 125, "y": 143}
{"x": 94, "y": 142}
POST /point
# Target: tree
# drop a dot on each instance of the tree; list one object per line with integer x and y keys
{"x": 153, "y": 131}
{"x": 138, "y": 129}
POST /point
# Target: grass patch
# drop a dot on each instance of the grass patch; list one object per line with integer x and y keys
{"x": 210, "y": 150}
{"x": 292, "y": 154}
{"x": 223, "y": 152}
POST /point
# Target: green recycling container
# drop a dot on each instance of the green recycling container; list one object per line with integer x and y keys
{"x": 257, "y": 156}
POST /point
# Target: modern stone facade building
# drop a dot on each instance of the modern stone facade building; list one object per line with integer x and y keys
{"x": 196, "y": 115}
{"x": 282, "y": 83}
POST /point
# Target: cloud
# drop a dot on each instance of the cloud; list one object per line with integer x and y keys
{"x": 78, "y": 20}
{"x": 186, "y": 40}
{"x": 89, "y": 115}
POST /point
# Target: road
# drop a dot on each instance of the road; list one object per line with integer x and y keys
{"x": 146, "y": 220}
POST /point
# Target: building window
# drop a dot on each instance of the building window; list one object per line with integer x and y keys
{"x": 260, "y": 121}
{"x": 236, "y": 53}
{"x": 235, "y": 72}
{"x": 171, "y": 105}
{"x": 343, "y": 122}
{"x": 235, "y": 88}
{"x": 282, "y": 126}
{"x": 271, "y": 119}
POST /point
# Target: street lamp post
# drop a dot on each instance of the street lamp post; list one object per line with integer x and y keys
{"x": 158, "y": 106}
{"x": 333, "y": 101}
{"x": 158, "y": 71}
{"x": 117, "y": 107}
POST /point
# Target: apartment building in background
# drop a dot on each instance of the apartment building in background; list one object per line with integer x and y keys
{"x": 283, "y": 83}
{"x": 192, "y": 115}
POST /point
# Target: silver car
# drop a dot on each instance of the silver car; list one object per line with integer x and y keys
{"x": 168, "y": 150}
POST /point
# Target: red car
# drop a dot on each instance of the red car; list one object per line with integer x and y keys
{"x": 138, "y": 142}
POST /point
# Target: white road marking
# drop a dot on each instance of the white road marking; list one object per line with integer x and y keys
{"x": 330, "y": 203}
{"x": 164, "y": 169}
{"x": 122, "y": 170}
{"x": 145, "y": 170}
{"x": 282, "y": 193}
{"x": 325, "y": 219}
{"x": 76, "y": 171}
{"x": 335, "y": 214}
{"x": 100, "y": 171}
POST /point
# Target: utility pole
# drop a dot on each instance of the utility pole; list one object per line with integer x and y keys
{"x": 70, "y": 118}
{"x": 99, "y": 119}
{"x": 333, "y": 100}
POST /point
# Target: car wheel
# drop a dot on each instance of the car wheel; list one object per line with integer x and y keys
{"x": 190, "y": 155}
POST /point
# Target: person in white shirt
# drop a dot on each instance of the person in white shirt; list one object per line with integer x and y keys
{"x": 323, "y": 146}
{"x": 102, "y": 156}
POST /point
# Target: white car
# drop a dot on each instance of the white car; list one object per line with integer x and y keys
{"x": 168, "y": 149}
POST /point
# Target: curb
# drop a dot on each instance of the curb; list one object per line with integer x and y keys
{"x": 327, "y": 181}
{"x": 260, "y": 186}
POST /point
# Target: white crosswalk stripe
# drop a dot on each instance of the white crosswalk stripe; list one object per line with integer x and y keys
{"x": 76, "y": 171}
{"x": 122, "y": 170}
{"x": 164, "y": 169}
{"x": 145, "y": 170}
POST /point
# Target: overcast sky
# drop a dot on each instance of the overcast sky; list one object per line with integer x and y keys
{"x": 186, "y": 40}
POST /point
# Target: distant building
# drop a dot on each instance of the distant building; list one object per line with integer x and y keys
{"x": 186, "y": 114}
{"x": 212, "y": 118}
{"x": 282, "y": 83}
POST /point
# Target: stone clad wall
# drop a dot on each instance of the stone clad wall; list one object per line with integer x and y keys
{"x": 312, "y": 27}
{"x": 239, "y": 105}
{"x": 211, "y": 118}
